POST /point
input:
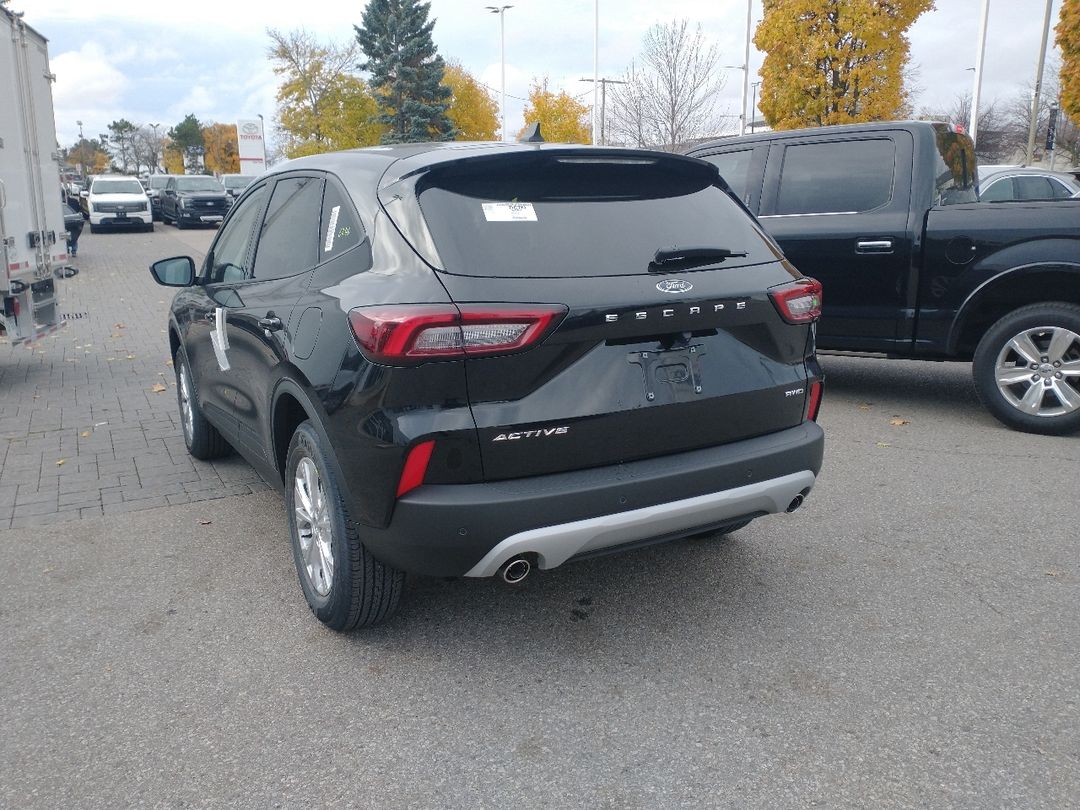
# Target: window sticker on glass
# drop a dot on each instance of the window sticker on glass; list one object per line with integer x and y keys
{"x": 509, "y": 212}
{"x": 329, "y": 245}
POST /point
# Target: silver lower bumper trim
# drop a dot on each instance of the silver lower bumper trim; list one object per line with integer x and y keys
{"x": 554, "y": 545}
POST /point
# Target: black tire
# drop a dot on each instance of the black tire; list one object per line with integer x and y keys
{"x": 178, "y": 221}
{"x": 94, "y": 228}
{"x": 361, "y": 591}
{"x": 1053, "y": 329}
{"x": 203, "y": 440}
{"x": 149, "y": 228}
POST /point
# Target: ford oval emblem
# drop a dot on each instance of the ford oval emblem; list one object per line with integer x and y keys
{"x": 671, "y": 285}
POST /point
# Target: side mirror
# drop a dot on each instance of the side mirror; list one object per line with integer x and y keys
{"x": 176, "y": 272}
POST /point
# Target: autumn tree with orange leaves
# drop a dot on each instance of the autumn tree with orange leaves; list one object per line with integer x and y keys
{"x": 472, "y": 110}
{"x": 1068, "y": 39}
{"x": 834, "y": 61}
{"x": 562, "y": 118}
{"x": 222, "y": 154}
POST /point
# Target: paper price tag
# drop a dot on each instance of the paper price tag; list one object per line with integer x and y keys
{"x": 509, "y": 212}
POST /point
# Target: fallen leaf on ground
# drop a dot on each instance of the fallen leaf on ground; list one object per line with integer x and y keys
{"x": 1053, "y": 573}
{"x": 205, "y": 522}
{"x": 61, "y": 462}
{"x": 168, "y": 362}
{"x": 883, "y": 444}
{"x": 115, "y": 335}
{"x": 118, "y": 326}
{"x": 85, "y": 434}
{"x": 157, "y": 388}
{"x": 131, "y": 357}
{"x": 899, "y": 422}
{"x": 865, "y": 406}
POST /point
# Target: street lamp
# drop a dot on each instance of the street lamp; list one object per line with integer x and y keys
{"x": 500, "y": 10}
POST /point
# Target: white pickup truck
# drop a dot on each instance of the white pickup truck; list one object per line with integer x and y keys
{"x": 32, "y": 230}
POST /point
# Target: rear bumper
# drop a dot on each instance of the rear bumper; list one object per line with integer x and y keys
{"x": 472, "y": 529}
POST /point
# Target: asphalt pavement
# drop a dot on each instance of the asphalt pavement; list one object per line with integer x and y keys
{"x": 909, "y": 638}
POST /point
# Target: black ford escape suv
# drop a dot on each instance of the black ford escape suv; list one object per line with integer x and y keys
{"x": 475, "y": 359}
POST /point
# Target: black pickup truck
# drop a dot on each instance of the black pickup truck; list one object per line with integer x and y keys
{"x": 887, "y": 217}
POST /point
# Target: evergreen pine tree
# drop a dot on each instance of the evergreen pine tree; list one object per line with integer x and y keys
{"x": 406, "y": 71}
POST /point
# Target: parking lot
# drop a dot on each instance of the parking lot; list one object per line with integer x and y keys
{"x": 909, "y": 638}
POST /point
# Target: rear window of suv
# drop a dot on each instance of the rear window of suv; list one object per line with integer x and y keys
{"x": 553, "y": 216}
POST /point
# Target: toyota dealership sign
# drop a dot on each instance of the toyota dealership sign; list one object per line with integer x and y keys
{"x": 250, "y": 136}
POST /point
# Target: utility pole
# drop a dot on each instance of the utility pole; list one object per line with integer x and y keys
{"x": 603, "y": 104}
{"x": 1030, "y": 153}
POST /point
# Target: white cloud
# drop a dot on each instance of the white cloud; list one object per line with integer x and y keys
{"x": 86, "y": 77}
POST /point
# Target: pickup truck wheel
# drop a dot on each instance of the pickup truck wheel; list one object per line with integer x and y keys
{"x": 1027, "y": 369}
{"x": 344, "y": 585}
{"x": 202, "y": 439}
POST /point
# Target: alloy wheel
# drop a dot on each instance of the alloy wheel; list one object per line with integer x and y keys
{"x": 1038, "y": 371}
{"x": 312, "y": 516}
{"x": 187, "y": 412}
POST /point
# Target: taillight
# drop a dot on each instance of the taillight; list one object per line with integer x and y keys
{"x": 798, "y": 301}
{"x": 416, "y": 464}
{"x": 408, "y": 334}
{"x": 813, "y": 401}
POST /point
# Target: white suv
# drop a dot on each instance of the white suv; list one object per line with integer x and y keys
{"x": 119, "y": 201}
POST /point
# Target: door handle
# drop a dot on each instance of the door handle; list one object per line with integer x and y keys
{"x": 874, "y": 246}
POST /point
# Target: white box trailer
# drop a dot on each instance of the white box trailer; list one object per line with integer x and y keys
{"x": 32, "y": 230}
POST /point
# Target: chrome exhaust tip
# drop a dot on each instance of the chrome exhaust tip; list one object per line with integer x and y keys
{"x": 514, "y": 571}
{"x": 796, "y": 502}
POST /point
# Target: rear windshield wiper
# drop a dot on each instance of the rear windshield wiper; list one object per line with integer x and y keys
{"x": 666, "y": 258}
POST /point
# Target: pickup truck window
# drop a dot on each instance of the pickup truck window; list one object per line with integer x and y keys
{"x": 735, "y": 169}
{"x": 836, "y": 177}
{"x": 954, "y": 169}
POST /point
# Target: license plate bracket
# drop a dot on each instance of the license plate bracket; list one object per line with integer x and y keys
{"x": 670, "y": 375}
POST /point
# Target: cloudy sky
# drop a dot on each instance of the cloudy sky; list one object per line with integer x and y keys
{"x": 157, "y": 62}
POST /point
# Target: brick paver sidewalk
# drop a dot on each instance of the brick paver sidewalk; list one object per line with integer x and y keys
{"x": 88, "y": 417}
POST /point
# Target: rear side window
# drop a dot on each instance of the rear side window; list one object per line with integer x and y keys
{"x": 999, "y": 191}
{"x": 735, "y": 169}
{"x": 340, "y": 229}
{"x": 554, "y": 216}
{"x": 290, "y": 229}
{"x": 1033, "y": 187}
{"x": 837, "y": 177}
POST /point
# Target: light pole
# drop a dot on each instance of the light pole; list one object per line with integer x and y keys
{"x": 501, "y": 11}
{"x": 262, "y": 134}
{"x": 753, "y": 104}
{"x": 973, "y": 124}
{"x": 157, "y": 144}
{"x": 746, "y": 65}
